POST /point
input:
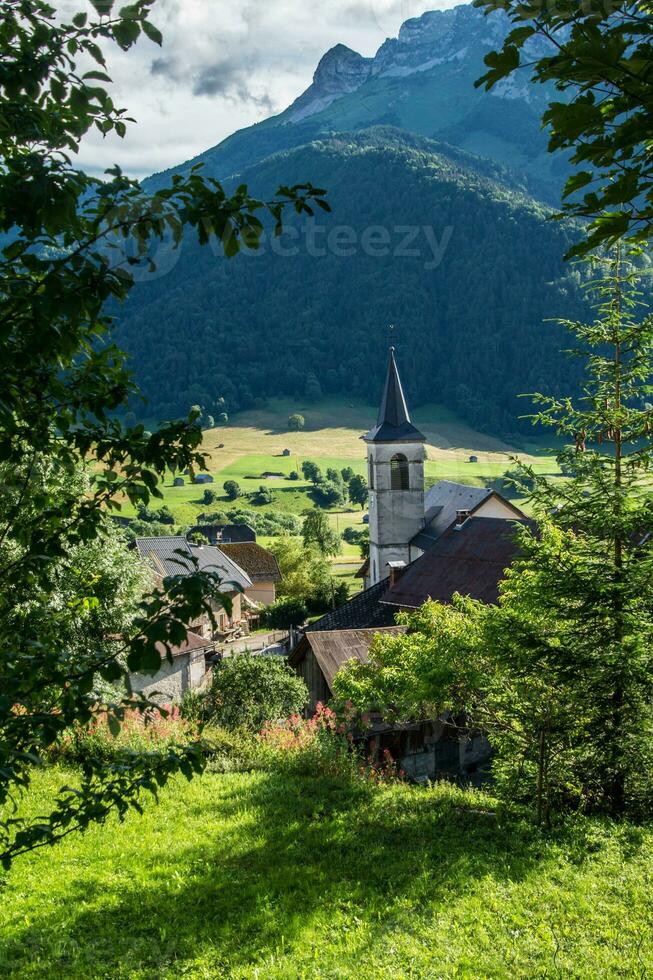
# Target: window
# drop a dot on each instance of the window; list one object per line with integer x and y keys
{"x": 371, "y": 476}
{"x": 399, "y": 474}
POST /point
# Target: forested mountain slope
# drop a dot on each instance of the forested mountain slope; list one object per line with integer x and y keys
{"x": 434, "y": 241}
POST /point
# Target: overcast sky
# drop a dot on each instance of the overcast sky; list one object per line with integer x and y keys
{"x": 226, "y": 64}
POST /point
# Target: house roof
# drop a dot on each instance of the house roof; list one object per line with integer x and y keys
{"x": 393, "y": 423}
{"x": 226, "y": 533}
{"x": 363, "y": 611}
{"x": 174, "y": 556}
{"x": 333, "y": 649}
{"x": 192, "y": 642}
{"x": 442, "y": 503}
{"x": 259, "y": 563}
{"x": 470, "y": 560}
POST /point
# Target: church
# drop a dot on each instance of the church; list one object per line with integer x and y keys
{"x": 405, "y": 521}
{"x": 453, "y": 538}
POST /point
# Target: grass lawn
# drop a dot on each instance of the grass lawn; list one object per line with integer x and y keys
{"x": 270, "y": 876}
{"x": 253, "y": 443}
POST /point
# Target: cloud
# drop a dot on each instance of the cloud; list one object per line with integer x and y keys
{"x": 224, "y": 66}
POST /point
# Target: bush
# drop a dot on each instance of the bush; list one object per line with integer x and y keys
{"x": 232, "y": 489}
{"x": 296, "y": 422}
{"x": 152, "y": 731}
{"x": 284, "y": 613}
{"x": 209, "y": 497}
{"x": 293, "y": 475}
{"x": 328, "y": 494}
{"x": 270, "y": 524}
{"x": 319, "y": 745}
{"x": 248, "y": 690}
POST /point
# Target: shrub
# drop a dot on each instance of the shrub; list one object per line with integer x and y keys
{"x": 248, "y": 690}
{"x": 296, "y": 422}
{"x": 151, "y": 731}
{"x": 328, "y": 494}
{"x": 285, "y": 612}
{"x": 209, "y": 496}
{"x": 232, "y": 489}
{"x": 319, "y": 745}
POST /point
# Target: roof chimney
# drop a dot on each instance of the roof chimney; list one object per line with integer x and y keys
{"x": 397, "y": 569}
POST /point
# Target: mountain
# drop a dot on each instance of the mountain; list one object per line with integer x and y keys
{"x": 423, "y": 82}
{"x": 422, "y": 236}
{"x": 440, "y": 225}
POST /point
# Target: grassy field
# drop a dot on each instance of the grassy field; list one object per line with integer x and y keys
{"x": 277, "y": 877}
{"x": 252, "y": 446}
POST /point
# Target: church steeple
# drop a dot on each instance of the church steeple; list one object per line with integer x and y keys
{"x": 395, "y": 461}
{"x": 393, "y": 423}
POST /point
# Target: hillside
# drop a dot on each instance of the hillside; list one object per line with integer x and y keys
{"x": 249, "y": 450}
{"x": 421, "y": 236}
{"x": 265, "y": 875}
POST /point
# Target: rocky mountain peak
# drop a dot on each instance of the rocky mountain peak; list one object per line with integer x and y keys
{"x": 339, "y": 72}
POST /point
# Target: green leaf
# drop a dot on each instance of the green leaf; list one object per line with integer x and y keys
{"x": 152, "y": 32}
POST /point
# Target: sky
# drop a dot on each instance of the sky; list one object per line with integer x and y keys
{"x": 226, "y": 64}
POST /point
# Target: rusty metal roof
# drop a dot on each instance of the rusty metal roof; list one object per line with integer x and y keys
{"x": 259, "y": 563}
{"x": 333, "y": 649}
{"x": 470, "y": 560}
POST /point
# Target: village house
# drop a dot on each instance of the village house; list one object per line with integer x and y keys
{"x": 175, "y": 555}
{"x": 261, "y": 567}
{"x": 185, "y": 670}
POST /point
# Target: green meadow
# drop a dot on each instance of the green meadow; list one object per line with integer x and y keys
{"x": 277, "y": 877}
{"x": 250, "y": 450}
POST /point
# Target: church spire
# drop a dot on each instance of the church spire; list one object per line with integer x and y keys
{"x": 393, "y": 423}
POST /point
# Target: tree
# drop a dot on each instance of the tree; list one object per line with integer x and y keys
{"x": 223, "y": 418}
{"x": 319, "y": 532}
{"x": 313, "y": 389}
{"x": 209, "y": 422}
{"x": 248, "y": 690}
{"x": 70, "y": 244}
{"x": 296, "y": 422}
{"x": 305, "y": 572}
{"x": 560, "y": 673}
{"x": 232, "y": 490}
{"x": 284, "y": 613}
{"x": 262, "y": 496}
{"x": 358, "y": 492}
{"x": 311, "y": 471}
{"x": 347, "y": 474}
{"x": 333, "y": 475}
{"x": 599, "y": 55}
{"x": 328, "y": 494}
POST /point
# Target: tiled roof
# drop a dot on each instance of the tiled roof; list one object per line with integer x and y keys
{"x": 333, "y": 649}
{"x": 363, "y": 611}
{"x": 192, "y": 642}
{"x": 470, "y": 560}
{"x": 174, "y": 556}
{"x": 259, "y": 563}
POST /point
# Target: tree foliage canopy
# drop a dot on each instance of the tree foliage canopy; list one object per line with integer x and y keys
{"x": 70, "y": 245}
{"x": 598, "y": 55}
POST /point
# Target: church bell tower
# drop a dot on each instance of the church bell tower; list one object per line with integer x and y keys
{"x": 395, "y": 459}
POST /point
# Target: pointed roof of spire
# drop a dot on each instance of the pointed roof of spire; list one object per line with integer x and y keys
{"x": 393, "y": 423}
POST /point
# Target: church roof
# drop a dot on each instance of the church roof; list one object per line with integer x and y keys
{"x": 471, "y": 561}
{"x": 393, "y": 423}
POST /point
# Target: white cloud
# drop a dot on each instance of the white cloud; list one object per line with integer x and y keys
{"x": 224, "y": 66}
